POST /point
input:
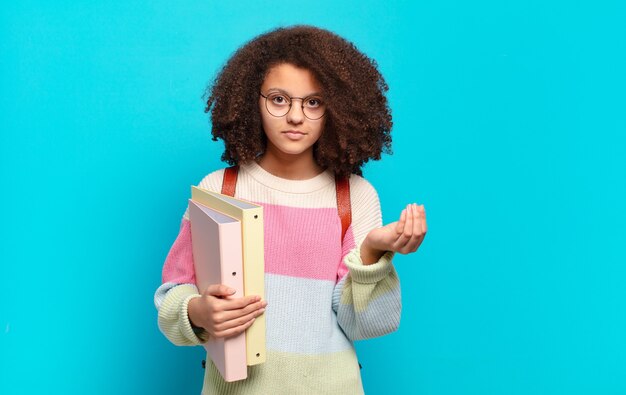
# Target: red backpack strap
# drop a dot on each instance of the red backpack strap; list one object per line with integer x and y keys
{"x": 230, "y": 181}
{"x": 344, "y": 208}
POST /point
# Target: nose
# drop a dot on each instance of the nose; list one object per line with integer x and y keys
{"x": 296, "y": 112}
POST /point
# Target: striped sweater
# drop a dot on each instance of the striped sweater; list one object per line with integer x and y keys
{"x": 320, "y": 296}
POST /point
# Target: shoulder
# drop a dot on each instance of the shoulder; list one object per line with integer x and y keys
{"x": 366, "y": 212}
{"x": 361, "y": 191}
{"x": 213, "y": 180}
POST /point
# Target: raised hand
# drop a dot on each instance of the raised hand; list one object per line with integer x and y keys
{"x": 222, "y": 316}
{"x": 403, "y": 236}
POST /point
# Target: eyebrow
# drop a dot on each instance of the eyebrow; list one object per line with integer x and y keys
{"x": 289, "y": 94}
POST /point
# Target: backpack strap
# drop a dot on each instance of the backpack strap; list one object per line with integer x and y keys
{"x": 230, "y": 181}
{"x": 342, "y": 186}
{"x": 344, "y": 208}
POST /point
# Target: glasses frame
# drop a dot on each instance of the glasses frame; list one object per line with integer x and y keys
{"x": 302, "y": 99}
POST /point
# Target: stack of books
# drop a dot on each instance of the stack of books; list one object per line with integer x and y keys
{"x": 227, "y": 240}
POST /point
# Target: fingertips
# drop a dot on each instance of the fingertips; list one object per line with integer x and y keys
{"x": 260, "y": 303}
{"x": 255, "y": 303}
{"x": 248, "y": 300}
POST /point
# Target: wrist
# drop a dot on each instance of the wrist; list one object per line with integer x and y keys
{"x": 369, "y": 254}
{"x": 191, "y": 313}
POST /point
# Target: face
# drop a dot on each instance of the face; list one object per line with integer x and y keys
{"x": 292, "y": 134}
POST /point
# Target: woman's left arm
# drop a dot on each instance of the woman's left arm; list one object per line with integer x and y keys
{"x": 367, "y": 297}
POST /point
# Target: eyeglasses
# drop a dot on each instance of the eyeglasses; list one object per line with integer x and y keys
{"x": 278, "y": 104}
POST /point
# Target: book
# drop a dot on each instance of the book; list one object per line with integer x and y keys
{"x": 251, "y": 217}
{"x": 218, "y": 259}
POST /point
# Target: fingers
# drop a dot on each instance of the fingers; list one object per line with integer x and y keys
{"x": 417, "y": 224}
{"x": 414, "y": 230}
{"x": 401, "y": 223}
{"x": 408, "y": 227}
{"x": 419, "y": 229}
{"x": 233, "y": 331}
{"x": 225, "y": 310}
{"x": 233, "y": 320}
{"x": 224, "y": 316}
{"x": 231, "y": 314}
{"x": 424, "y": 225}
{"x": 219, "y": 290}
{"x": 239, "y": 303}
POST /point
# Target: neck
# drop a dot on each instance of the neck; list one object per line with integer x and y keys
{"x": 290, "y": 167}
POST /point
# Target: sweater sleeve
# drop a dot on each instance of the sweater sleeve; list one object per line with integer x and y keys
{"x": 366, "y": 298}
{"x": 177, "y": 289}
{"x": 179, "y": 283}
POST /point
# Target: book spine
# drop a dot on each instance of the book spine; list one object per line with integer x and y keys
{"x": 254, "y": 280}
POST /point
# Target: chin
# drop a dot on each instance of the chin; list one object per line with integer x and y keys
{"x": 293, "y": 152}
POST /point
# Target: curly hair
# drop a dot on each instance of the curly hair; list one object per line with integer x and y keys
{"x": 358, "y": 119}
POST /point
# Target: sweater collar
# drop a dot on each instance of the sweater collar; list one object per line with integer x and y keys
{"x": 282, "y": 184}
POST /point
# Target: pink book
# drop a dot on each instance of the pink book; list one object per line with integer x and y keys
{"x": 218, "y": 259}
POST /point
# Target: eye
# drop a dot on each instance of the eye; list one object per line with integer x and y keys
{"x": 278, "y": 99}
{"x": 313, "y": 102}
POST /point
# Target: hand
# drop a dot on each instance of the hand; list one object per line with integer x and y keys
{"x": 221, "y": 316}
{"x": 403, "y": 236}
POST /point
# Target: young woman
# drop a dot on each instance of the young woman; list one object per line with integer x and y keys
{"x": 299, "y": 108}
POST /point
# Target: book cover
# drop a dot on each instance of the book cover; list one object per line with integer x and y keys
{"x": 218, "y": 259}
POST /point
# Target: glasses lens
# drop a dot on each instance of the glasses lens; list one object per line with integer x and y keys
{"x": 313, "y": 107}
{"x": 277, "y": 104}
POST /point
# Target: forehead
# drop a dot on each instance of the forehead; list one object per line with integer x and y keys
{"x": 294, "y": 80}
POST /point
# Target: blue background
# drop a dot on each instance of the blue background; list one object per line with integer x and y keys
{"x": 509, "y": 126}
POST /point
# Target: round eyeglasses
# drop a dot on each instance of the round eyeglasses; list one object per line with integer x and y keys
{"x": 278, "y": 104}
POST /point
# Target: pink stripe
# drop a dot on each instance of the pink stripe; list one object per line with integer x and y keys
{"x": 348, "y": 244}
{"x": 178, "y": 267}
{"x": 299, "y": 242}
{"x": 303, "y": 242}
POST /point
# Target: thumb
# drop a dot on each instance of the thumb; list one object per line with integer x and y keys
{"x": 219, "y": 290}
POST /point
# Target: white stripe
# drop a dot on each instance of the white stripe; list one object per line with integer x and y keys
{"x": 300, "y": 317}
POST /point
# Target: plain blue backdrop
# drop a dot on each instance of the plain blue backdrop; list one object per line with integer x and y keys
{"x": 509, "y": 125}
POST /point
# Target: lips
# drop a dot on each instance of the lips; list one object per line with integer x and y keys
{"x": 294, "y": 134}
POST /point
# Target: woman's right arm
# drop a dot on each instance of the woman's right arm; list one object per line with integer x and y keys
{"x": 188, "y": 316}
{"x": 177, "y": 289}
